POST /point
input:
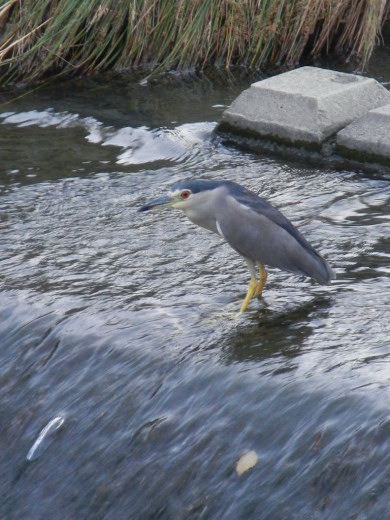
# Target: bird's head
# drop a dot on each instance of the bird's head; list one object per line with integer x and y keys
{"x": 176, "y": 198}
{"x": 183, "y": 195}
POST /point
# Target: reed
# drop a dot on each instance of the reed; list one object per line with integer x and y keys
{"x": 46, "y": 37}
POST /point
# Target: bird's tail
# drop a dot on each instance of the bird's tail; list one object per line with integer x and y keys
{"x": 321, "y": 270}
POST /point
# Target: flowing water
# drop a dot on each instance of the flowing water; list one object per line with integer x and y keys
{"x": 127, "y": 391}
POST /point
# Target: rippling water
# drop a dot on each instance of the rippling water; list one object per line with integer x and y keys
{"x": 126, "y": 391}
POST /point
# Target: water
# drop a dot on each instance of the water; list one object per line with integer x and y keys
{"x": 116, "y": 324}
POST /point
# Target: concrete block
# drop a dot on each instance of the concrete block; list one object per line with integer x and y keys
{"x": 369, "y": 135}
{"x": 305, "y": 105}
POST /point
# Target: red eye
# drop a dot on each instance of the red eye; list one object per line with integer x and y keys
{"x": 185, "y": 194}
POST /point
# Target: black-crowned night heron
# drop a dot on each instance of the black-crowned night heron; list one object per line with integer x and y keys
{"x": 251, "y": 226}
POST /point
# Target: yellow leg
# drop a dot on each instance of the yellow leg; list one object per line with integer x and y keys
{"x": 261, "y": 282}
{"x": 249, "y": 294}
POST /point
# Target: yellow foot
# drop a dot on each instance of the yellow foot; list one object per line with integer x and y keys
{"x": 249, "y": 295}
{"x": 260, "y": 284}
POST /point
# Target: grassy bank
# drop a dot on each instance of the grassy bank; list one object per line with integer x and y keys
{"x": 45, "y": 37}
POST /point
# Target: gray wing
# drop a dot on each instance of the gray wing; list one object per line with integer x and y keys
{"x": 258, "y": 231}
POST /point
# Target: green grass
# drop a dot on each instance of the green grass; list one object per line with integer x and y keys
{"x": 40, "y": 38}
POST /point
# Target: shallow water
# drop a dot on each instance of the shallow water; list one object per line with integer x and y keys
{"x": 123, "y": 375}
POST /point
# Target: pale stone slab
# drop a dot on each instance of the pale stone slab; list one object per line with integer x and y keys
{"x": 306, "y": 105}
{"x": 368, "y": 135}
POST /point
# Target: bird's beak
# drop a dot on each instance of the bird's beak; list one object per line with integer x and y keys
{"x": 161, "y": 202}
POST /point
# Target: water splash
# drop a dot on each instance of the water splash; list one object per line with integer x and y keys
{"x": 140, "y": 145}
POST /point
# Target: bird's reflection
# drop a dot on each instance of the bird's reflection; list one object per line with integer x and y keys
{"x": 273, "y": 333}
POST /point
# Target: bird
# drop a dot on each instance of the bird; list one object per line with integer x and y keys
{"x": 254, "y": 228}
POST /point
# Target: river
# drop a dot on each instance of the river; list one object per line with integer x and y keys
{"x": 127, "y": 391}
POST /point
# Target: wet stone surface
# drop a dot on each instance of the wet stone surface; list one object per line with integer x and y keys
{"x": 303, "y": 106}
{"x": 368, "y": 137}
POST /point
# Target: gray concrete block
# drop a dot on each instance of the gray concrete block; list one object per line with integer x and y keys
{"x": 368, "y": 135}
{"x": 304, "y": 105}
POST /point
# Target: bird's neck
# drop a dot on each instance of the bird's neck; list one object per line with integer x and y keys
{"x": 205, "y": 220}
